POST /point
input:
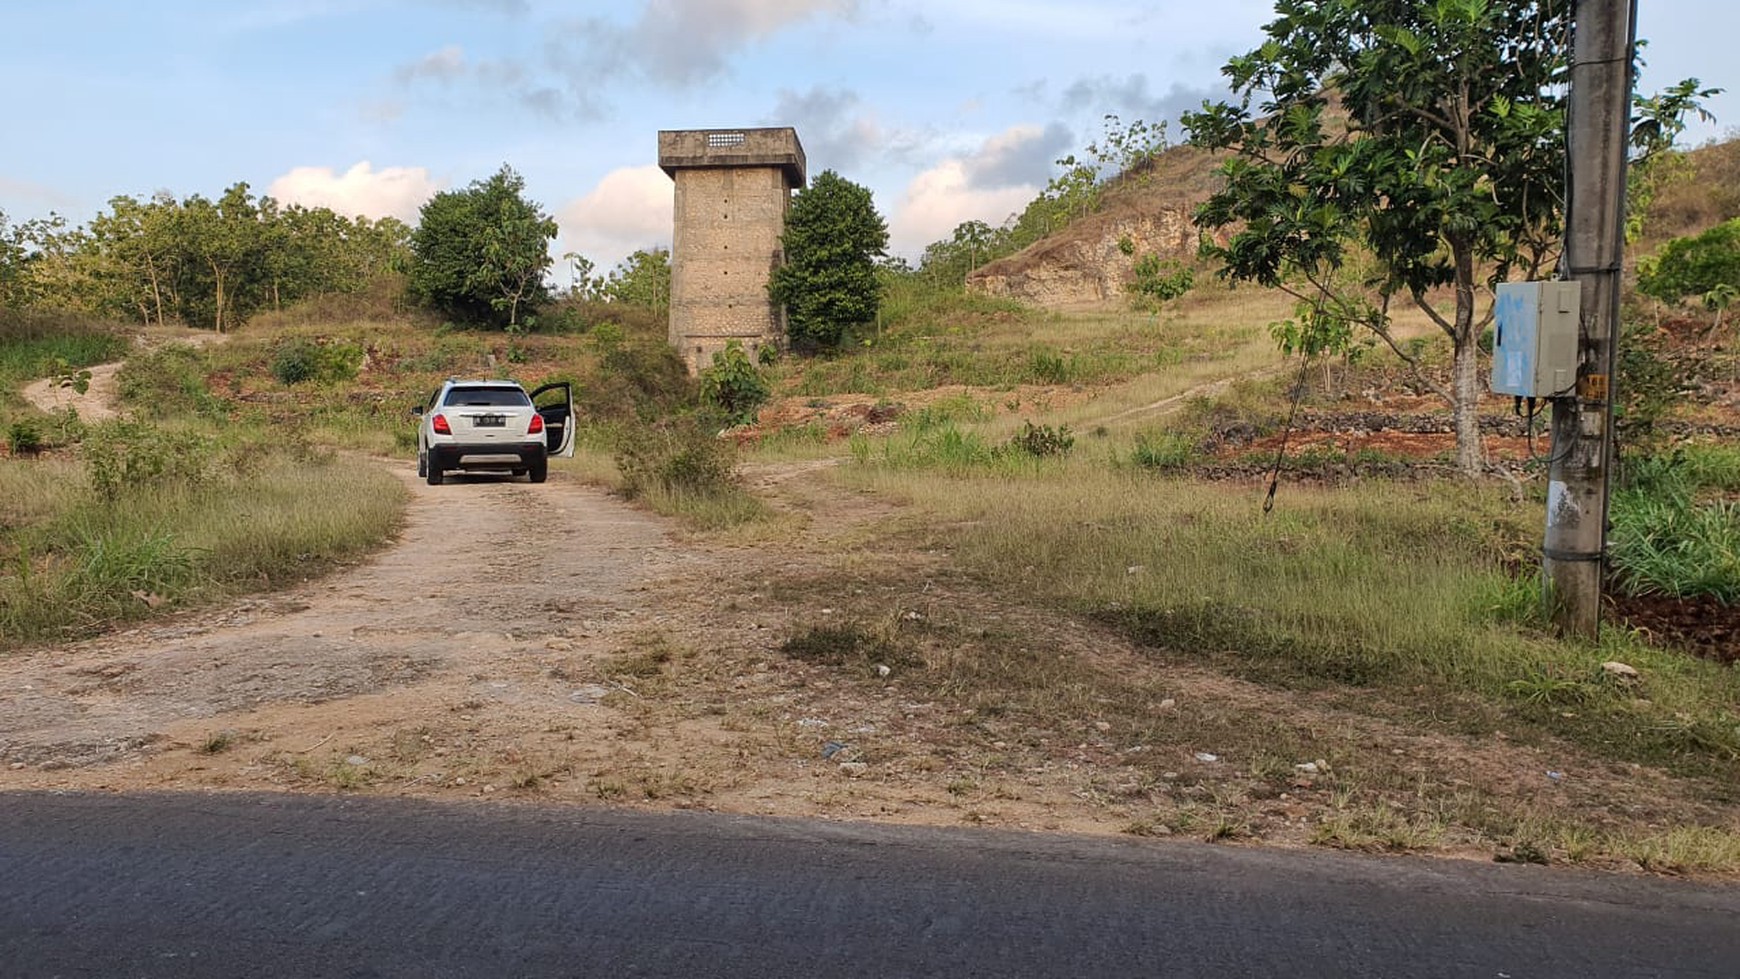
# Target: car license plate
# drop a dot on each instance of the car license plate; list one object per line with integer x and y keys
{"x": 490, "y": 421}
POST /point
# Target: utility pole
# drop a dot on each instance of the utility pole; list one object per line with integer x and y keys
{"x": 1575, "y": 547}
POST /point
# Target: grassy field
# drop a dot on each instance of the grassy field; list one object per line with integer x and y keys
{"x": 1053, "y": 462}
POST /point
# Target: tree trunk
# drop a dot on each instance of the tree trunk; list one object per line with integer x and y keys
{"x": 1465, "y": 388}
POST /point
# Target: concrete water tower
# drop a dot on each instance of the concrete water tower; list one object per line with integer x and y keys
{"x": 732, "y": 190}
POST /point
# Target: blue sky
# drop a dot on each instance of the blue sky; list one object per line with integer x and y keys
{"x": 948, "y": 110}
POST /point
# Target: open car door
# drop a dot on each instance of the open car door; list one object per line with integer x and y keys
{"x": 555, "y": 402}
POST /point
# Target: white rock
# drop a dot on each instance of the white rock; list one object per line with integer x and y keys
{"x": 1306, "y": 768}
{"x": 1204, "y": 756}
{"x": 1168, "y": 704}
{"x": 1623, "y": 671}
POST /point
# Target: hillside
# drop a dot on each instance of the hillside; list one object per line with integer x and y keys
{"x": 1087, "y": 264}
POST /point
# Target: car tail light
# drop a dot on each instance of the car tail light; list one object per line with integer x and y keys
{"x": 439, "y": 423}
{"x": 537, "y": 426}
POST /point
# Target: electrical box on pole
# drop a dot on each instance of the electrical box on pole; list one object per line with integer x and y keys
{"x": 1535, "y": 338}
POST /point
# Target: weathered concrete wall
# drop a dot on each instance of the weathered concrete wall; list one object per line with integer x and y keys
{"x": 731, "y": 201}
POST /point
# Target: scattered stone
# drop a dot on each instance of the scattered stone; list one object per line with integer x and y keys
{"x": 1168, "y": 775}
{"x": 356, "y": 761}
{"x": 913, "y": 616}
{"x": 1623, "y": 672}
{"x": 1168, "y": 704}
{"x": 560, "y": 645}
{"x": 17, "y": 766}
{"x": 1135, "y": 569}
{"x": 489, "y": 788}
{"x": 1306, "y": 768}
{"x": 461, "y": 780}
{"x": 882, "y": 669}
{"x": 853, "y": 769}
{"x": 1102, "y": 726}
{"x": 811, "y": 722}
{"x": 1206, "y": 757}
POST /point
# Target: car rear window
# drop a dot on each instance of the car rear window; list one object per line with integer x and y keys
{"x": 487, "y": 397}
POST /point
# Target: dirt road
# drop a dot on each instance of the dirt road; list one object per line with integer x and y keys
{"x": 491, "y": 582}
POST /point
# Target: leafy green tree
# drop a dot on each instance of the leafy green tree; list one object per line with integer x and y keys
{"x": 642, "y": 279}
{"x": 226, "y": 245}
{"x": 479, "y": 255}
{"x": 142, "y": 256}
{"x": 1428, "y": 135}
{"x": 833, "y": 237}
{"x": 1445, "y": 160}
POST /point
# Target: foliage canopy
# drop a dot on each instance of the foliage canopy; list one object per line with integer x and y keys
{"x": 832, "y": 239}
{"x": 479, "y": 255}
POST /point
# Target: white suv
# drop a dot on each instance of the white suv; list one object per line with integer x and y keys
{"x": 494, "y": 425}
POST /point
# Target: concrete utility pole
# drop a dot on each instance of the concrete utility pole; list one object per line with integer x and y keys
{"x": 1575, "y": 547}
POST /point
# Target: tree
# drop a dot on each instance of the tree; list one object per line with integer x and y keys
{"x": 833, "y": 237}
{"x": 11, "y": 265}
{"x": 1445, "y": 160}
{"x": 479, "y": 255}
{"x": 641, "y": 279}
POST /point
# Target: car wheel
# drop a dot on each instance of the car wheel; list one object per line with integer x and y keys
{"x": 422, "y": 464}
{"x": 539, "y": 471}
{"x": 434, "y": 471}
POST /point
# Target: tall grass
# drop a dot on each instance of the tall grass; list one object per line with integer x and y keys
{"x": 1399, "y": 587}
{"x": 1673, "y": 534}
{"x": 73, "y": 560}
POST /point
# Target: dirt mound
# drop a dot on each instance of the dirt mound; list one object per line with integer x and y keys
{"x": 1146, "y": 211}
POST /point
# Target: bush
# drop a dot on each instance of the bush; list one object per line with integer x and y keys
{"x": 24, "y": 438}
{"x": 678, "y": 459}
{"x": 733, "y": 385}
{"x": 1042, "y": 441}
{"x": 121, "y": 456}
{"x": 300, "y": 360}
{"x": 169, "y": 381}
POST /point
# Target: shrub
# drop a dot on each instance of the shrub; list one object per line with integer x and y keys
{"x": 676, "y": 459}
{"x": 1042, "y": 441}
{"x": 125, "y": 455}
{"x": 734, "y": 385}
{"x": 24, "y": 438}
{"x": 301, "y": 360}
{"x": 169, "y": 381}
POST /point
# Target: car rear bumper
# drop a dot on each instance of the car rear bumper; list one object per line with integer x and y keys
{"x": 486, "y": 456}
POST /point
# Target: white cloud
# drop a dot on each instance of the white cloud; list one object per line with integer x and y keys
{"x": 443, "y": 65}
{"x": 997, "y": 179}
{"x": 398, "y": 192}
{"x": 630, "y": 209}
{"x": 941, "y": 198}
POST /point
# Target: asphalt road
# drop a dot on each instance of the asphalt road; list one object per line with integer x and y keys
{"x": 282, "y": 886}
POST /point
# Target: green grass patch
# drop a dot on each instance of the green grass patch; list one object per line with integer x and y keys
{"x": 75, "y": 558}
{"x": 1395, "y": 587}
{"x": 1673, "y": 532}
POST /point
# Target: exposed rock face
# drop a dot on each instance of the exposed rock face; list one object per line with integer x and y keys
{"x": 1087, "y": 265}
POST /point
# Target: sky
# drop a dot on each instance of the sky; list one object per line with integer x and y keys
{"x": 948, "y": 110}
